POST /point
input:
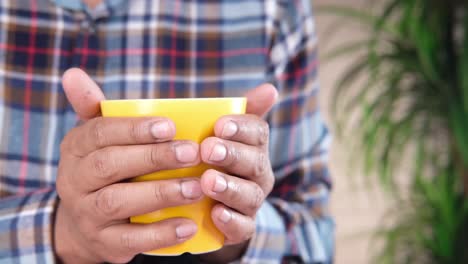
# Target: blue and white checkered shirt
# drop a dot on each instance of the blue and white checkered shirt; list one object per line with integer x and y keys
{"x": 157, "y": 49}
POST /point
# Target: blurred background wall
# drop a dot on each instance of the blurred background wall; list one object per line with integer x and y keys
{"x": 357, "y": 206}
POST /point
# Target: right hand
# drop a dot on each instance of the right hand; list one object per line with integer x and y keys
{"x": 97, "y": 157}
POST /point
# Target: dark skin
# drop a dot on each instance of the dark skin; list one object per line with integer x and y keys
{"x": 96, "y": 157}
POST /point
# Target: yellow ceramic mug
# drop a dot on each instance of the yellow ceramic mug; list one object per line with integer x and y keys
{"x": 194, "y": 120}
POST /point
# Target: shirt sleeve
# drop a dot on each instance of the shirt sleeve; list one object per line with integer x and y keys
{"x": 294, "y": 225}
{"x": 26, "y": 227}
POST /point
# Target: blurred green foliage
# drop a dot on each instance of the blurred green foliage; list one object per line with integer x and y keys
{"x": 413, "y": 76}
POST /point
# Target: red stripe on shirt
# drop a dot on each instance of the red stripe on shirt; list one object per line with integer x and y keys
{"x": 149, "y": 51}
{"x": 299, "y": 72}
{"x": 85, "y": 51}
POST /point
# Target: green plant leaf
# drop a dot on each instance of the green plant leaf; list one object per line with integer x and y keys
{"x": 417, "y": 53}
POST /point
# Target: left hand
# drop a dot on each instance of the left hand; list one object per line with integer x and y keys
{"x": 240, "y": 150}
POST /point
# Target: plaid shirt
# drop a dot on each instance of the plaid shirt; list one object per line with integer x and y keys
{"x": 159, "y": 49}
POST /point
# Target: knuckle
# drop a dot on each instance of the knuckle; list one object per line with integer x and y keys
{"x": 234, "y": 155}
{"x": 127, "y": 241}
{"x": 157, "y": 240}
{"x": 263, "y": 133}
{"x": 152, "y": 156}
{"x": 235, "y": 194}
{"x": 128, "y": 249}
{"x": 60, "y": 188}
{"x": 260, "y": 166}
{"x": 107, "y": 202}
{"x": 136, "y": 131}
{"x": 64, "y": 192}
{"x": 60, "y": 183}
{"x": 104, "y": 165}
{"x": 87, "y": 228}
{"x": 64, "y": 145}
{"x": 98, "y": 134}
{"x": 160, "y": 193}
{"x": 68, "y": 139}
{"x": 270, "y": 183}
{"x": 63, "y": 183}
{"x": 256, "y": 199}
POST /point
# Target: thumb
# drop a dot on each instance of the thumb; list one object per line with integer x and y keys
{"x": 83, "y": 93}
{"x": 261, "y": 99}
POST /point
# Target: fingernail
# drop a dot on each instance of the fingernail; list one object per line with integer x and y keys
{"x": 191, "y": 189}
{"x": 220, "y": 184}
{"x": 185, "y": 153}
{"x": 225, "y": 216}
{"x": 229, "y": 130}
{"x": 185, "y": 230}
{"x": 218, "y": 153}
{"x": 161, "y": 130}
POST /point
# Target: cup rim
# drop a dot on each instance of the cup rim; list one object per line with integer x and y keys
{"x": 175, "y": 99}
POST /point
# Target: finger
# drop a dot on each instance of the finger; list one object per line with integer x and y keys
{"x": 237, "y": 228}
{"x": 114, "y": 164}
{"x": 123, "y": 200}
{"x": 244, "y": 196}
{"x": 83, "y": 93}
{"x": 247, "y": 129}
{"x": 126, "y": 240}
{"x": 261, "y": 99}
{"x": 238, "y": 159}
{"x": 103, "y": 132}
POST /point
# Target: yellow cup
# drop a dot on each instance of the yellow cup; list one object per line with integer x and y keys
{"x": 194, "y": 120}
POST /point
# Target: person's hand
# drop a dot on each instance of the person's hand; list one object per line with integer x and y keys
{"x": 240, "y": 150}
{"x": 95, "y": 204}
